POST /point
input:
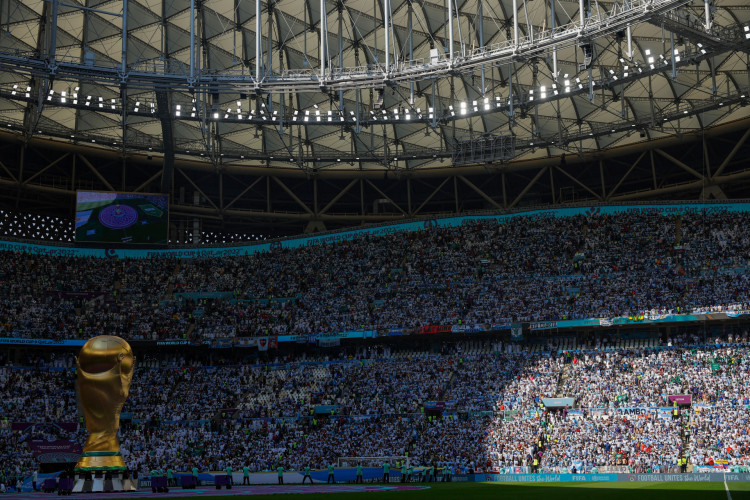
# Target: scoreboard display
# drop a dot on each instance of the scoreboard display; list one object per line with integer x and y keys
{"x": 110, "y": 217}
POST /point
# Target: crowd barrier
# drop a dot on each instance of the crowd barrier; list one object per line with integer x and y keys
{"x": 349, "y": 474}
{"x": 341, "y": 475}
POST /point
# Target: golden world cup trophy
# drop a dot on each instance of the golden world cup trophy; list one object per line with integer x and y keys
{"x": 105, "y": 370}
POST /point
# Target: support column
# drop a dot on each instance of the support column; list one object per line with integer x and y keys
{"x": 124, "y": 41}
{"x": 582, "y": 12}
{"x": 707, "y": 5}
{"x": 510, "y": 88}
{"x": 341, "y": 51}
{"x": 450, "y": 30}
{"x": 269, "y": 36}
{"x": 411, "y": 50}
{"x": 258, "y": 43}
{"x": 323, "y": 38}
{"x": 630, "y": 42}
{"x": 480, "y": 15}
{"x": 192, "y": 41}
{"x": 52, "y": 49}
{"x": 387, "y": 21}
{"x": 553, "y": 25}
{"x": 515, "y": 23}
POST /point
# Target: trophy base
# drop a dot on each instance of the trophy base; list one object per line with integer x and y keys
{"x": 101, "y": 461}
{"x": 100, "y": 482}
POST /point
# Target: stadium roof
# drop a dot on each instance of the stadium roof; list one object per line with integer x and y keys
{"x": 511, "y": 90}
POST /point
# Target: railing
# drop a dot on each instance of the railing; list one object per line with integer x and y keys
{"x": 176, "y": 74}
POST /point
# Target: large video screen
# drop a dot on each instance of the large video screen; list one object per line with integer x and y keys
{"x": 122, "y": 218}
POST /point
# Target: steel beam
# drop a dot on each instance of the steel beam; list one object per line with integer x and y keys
{"x": 338, "y": 196}
{"x": 680, "y": 164}
{"x": 584, "y": 186}
{"x": 243, "y": 193}
{"x": 96, "y": 172}
{"x": 381, "y": 193}
{"x": 195, "y": 186}
{"x": 617, "y": 186}
{"x": 148, "y": 181}
{"x": 480, "y": 192}
{"x": 732, "y": 153}
{"x": 292, "y": 195}
{"x": 528, "y": 186}
{"x": 436, "y": 191}
{"x": 52, "y": 164}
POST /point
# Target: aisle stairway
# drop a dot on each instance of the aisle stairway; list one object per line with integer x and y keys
{"x": 562, "y": 380}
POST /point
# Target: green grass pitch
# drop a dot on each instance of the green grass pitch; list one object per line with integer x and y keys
{"x": 535, "y": 491}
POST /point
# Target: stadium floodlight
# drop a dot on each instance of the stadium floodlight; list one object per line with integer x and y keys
{"x": 13, "y": 92}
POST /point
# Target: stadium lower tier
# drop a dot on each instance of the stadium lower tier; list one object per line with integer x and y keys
{"x": 471, "y": 407}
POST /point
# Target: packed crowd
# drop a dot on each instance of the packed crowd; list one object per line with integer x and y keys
{"x": 368, "y": 402}
{"x": 522, "y": 269}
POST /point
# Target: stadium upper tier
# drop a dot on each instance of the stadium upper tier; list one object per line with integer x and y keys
{"x": 374, "y": 401}
{"x": 519, "y": 269}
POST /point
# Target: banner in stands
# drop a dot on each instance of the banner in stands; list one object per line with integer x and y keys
{"x": 52, "y": 342}
{"x": 680, "y": 399}
{"x": 543, "y": 325}
{"x": 516, "y": 332}
{"x": 440, "y": 405}
{"x": 48, "y": 426}
{"x": 634, "y": 412}
{"x": 421, "y": 330}
{"x": 55, "y": 451}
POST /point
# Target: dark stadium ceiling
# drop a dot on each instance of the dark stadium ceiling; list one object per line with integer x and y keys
{"x": 674, "y": 74}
